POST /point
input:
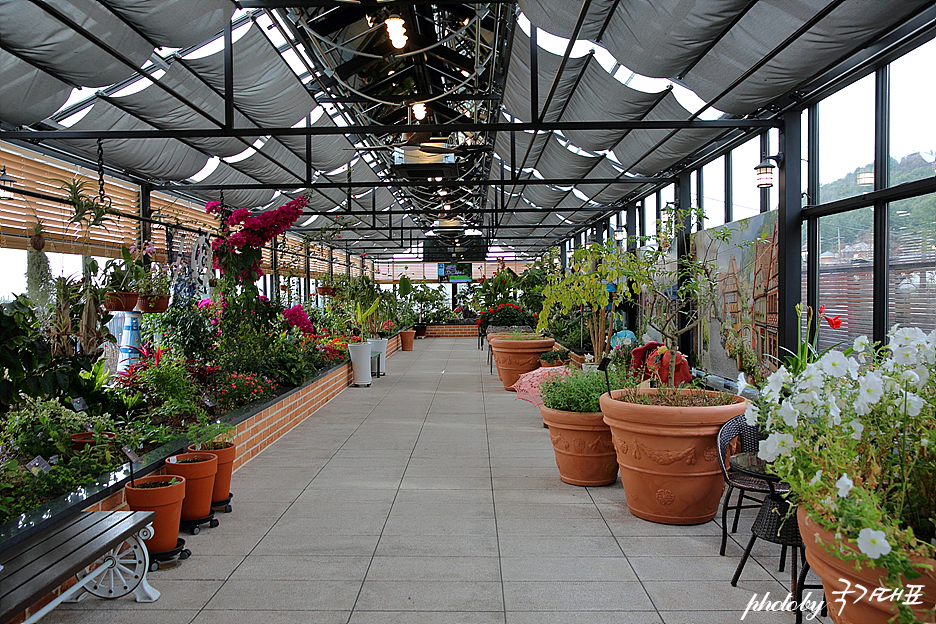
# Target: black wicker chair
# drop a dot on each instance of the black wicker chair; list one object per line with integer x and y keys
{"x": 748, "y": 438}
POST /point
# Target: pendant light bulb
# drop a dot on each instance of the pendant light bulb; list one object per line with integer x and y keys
{"x": 419, "y": 111}
{"x": 396, "y": 30}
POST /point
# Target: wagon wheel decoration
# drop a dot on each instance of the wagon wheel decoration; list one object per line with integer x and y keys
{"x": 126, "y": 564}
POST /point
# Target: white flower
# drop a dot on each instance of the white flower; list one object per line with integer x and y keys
{"x": 904, "y": 354}
{"x": 925, "y": 442}
{"x": 789, "y": 415}
{"x": 751, "y": 412}
{"x": 785, "y": 443}
{"x": 844, "y": 485}
{"x": 816, "y": 478}
{"x": 873, "y": 543}
{"x": 768, "y": 449}
{"x": 858, "y": 428}
{"x": 914, "y": 404}
{"x": 923, "y": 376}
{"x": 777, "y": 380}
{"x": 861, "y": 344}
{"x": 810, "y": 380}
{"x": 907, "y": 335}
{"x": 834, "y": 363}
{"x": 870, "y": 388}
{"x": 853, "y": 368}
{"x": 835, "y": 414}
{"x": 742, "y": 383}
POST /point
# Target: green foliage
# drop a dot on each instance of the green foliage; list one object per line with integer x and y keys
{"x": 204, "y": 431}
{"x": 89, "y": 210}
{"x": 154, "y": 281}
{"x": 497, "y": 290}
{"x": 185, "y": 329}
{"x": 556, "y": 355}
{"x": 579, "y": 391}
{"x": 169, "y": 391}
{"x": 505, "y": 315}
{"x": 595, "y": 272}
{"x": 120, "y": 274}
{"x": 43, "y": 427}
{"x": 534, "y": 279}
{"x": 39, "y": 283}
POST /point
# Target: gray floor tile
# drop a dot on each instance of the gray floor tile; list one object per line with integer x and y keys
{"x": 302, "y": 567}
{"x": 575, "y": 596}
{"x": 427, "y": 617}
{"x": 462, "y": 569}
{"x": 109, "y": 616}
{"x": 305, "y": 595}
{"x": 430, "y": 596}
{"x": 561, "y": 568}
{"x": 272, "y": 617}
{"x": 587, "y": 617}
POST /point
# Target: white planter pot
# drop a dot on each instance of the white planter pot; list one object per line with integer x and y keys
{"x": 379, "y": 345}
{"x": 360, "y": 362}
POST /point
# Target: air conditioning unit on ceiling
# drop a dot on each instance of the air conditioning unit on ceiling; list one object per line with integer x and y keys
{"x": 415, "y": 164}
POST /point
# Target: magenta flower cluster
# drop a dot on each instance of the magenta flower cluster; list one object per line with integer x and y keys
{"x": 296, "y": 317}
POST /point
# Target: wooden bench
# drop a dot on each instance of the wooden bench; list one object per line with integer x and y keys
{"x": 104, "y": 549}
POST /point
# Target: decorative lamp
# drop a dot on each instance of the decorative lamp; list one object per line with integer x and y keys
{"x": 866, "y": 178}
{"x": 6, "y": 185}
{"x": 396, "y": 30}
{"x": 619, "y": 234}
{"x": 419, "y": 111}
{"x": 764, "y": 174}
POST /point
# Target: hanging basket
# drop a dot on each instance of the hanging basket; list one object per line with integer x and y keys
{"x": 153, "y": 303}
{"x": 117, "y": 301}
{"x": 328, "y": 291}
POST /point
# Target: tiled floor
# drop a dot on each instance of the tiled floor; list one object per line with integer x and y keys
{"x": 433, "y": 498}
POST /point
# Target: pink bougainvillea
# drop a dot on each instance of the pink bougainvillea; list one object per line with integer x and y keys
{"x": 296, "y": 317}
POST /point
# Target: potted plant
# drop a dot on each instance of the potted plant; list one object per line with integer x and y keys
{"x": 666, "y": 437}
{"x": 556, "y": 357}
{"x": 216, "y": 437}
{"x": 199, "y": 470}
{"x": 162, "y": 494}
{"x": 153, "y": 288}
{"x": 358, "y": 347}
{"x": 119, "y": 276}
{"x": 580, "y": 438}
{"x": 516, "y": 354}
{"x": 854, "y": 434}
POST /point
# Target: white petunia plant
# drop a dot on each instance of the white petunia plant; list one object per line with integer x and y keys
{"x": 853, "y": 434}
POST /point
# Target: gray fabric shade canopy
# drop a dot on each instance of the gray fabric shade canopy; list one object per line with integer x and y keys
{"x": 327, "y": 67}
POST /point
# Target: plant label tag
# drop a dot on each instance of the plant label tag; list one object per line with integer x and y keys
{"x": 54, "y": 459}
{"x": 38, "y": 464}
{"x": 171, "y": 460}
{"x": 208, "y": 401}
{"x": 79, "y": 404}
{"x": 133, "y": 457}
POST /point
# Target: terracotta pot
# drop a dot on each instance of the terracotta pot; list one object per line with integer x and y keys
{"x": 165, "y": 501}
{"x": 118, "y": 301}
{"x": 200, "y": 477}
{"x": 515, "y": 357}
{"x": 86, "y": 438}
{"x": 153, "y": 303}
{"x": 222, "y": 483}
{"x": 836, "y": 574}
{"x": 669, "y": 457}
{"x": 550, "y": 364}
{"x": 582, "y": 443}
{"x": 406, "y": 339}
{"x": 325, "y": 290}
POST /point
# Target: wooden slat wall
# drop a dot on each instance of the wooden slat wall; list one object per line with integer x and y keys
{"x": 388, "y": 272}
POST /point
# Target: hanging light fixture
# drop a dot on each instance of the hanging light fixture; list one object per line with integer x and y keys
{"x": 6, "y": 185}
{"x": 619, "y": 234}
{"x": 396, "y": 30}
{"x": 765, "y": 170}
{"x": 419, "y": 110}
{"x": 866, "y": 178}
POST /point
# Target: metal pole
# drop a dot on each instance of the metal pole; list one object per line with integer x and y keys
{"x": 789, "y": 239}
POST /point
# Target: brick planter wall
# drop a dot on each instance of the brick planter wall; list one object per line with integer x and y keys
{"x": 253, "y": 435}
{"x": 451, "y": 331}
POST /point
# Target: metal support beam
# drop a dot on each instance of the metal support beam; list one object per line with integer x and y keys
{"x": 789, "y": 239}
{"x": 684, "y": 202}
{"x": 880, "y": 321}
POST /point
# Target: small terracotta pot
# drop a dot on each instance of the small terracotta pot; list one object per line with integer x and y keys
{"x": 406, "y": 339}
{"x": 200, "y": 477}
{"x": 582, "y": 443}
{"x": 118, "y": 301}
{"x": 325, "y": 290}
{"x": 837, "y": 574}
{"x": 669, "y": 456}
{"x": 153, "y": 303}
{"x": 165, "y": 501}
{"x": 222, "y": 482}
{"x": 550, "y": 364}
{"x": 86, "y": 438}
{"x": 515, "y": 357}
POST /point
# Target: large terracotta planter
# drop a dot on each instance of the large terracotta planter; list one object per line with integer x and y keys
{"x": 582, "y": 443}
{"x": 199, "y": 477}
{"x": 153, "y": 303}
{"x": 837, "y": 574}
{"x": 222, "y": 482}
{"x": 165, "y": 501}
{"x": 515, "y": 357}
{"x": 669, "y": 457}
{"x": 406, "y": 339}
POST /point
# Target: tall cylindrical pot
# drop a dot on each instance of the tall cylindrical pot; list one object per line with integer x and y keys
{"x": 838, "y": 577}
{"x": 406, "y": 339}
{"x": 226, "y": 456}
{"x": 200, "y": 477}
{"x": 360, "y": 362}
{"x": 379, "y": 345}
{"x": 582, "y": 443}
{"x": 129, "y": 341}
{"x": 166, "y": 502}
{"x": 669, "y": 456}
{"x": 515, "y": 357}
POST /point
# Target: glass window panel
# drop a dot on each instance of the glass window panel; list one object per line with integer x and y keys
{"x": 650, "y": 216}
{"x": 713, "y": 178}
{"x": 846, "y": 276}
{"x": 693, "y": 195}
{"x": 745, "y": 196}
{"x": 912, "y": 124}
{"x": 912, "y": 262}
{"x": 846, "y": 140}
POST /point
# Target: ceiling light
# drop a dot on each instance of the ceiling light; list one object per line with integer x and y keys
{"x": 419, "y": 111}
{"x": 866, "y": 178}
{"x": 465, "y": 73}
{"x": 438, "y": 179}
{"x": 443, "y": 192}
{"x": 396, "y": 30}
{"x": 765, "y": 169}
{"x": 447, "y": 206}
{"x": 619, "y": 235}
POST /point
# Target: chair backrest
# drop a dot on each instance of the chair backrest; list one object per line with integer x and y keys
{"x": 748, "y": 438}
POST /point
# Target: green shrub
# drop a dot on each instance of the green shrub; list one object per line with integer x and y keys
{"x": 579, "y": 391}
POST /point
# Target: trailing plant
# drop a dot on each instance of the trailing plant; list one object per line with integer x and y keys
{"x": 854, "y": 434}
{"x": 39, "y": 283}
{"x": 88, "y": 209}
